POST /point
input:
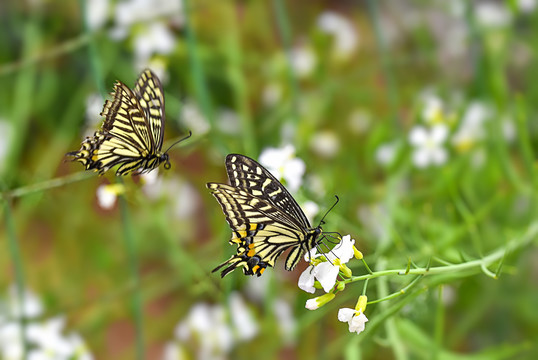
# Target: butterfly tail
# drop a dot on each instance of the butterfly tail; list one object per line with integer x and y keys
{"x": 251, "y": 265}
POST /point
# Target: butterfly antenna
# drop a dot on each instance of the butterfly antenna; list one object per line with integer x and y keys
{"x": 180, "y": 140}
{"x": 321, "y": 222}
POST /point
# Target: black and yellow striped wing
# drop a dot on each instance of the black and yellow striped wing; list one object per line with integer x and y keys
{"x": 264, "y": 218}
{"x": 133, "y": 130}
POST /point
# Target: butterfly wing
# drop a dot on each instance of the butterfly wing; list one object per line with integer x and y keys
{"x": 150, "y": 95}
{"x": 126, "y": 137}
{"x": 247, "y": 174}
{"x": 261, "y": 231}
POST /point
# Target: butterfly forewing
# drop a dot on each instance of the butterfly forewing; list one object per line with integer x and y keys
{"x": 265, "y": 219}
{"x": 149, "y": 91}
{"x": 247, "y": 174}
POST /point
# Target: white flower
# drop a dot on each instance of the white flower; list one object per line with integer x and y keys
{"x": 492, "y": 15}
{"x": 134, "y": 11}
{"x": 326, "y": 272}
{"x": 355, "y": 319}
{"x": 432, "y": 110}
{"x": 246, "y": 327}
{"x": 173, "y": 351}
{"x": 32, "y": 306}
{"x": 96, "y": 13}
{"x": 283, "y": 164}
{"x": 303, "y": 60}
{"x": 193, "y": 118}
{"x": 526, "y": 6}
{"x": 6, "y": 137}
{"x": 385, "y": 153}
{"x": 344, "y": 33}
{"x": 285, "y": 320}
{"x": 156, "y": 39}
{"x": 228, "y": 122}
{"x": 325, "y": 143}
{"x": 359, "y": 121}
{"x": 310, "y": 209}
{"x": 428, "y": 145}
{"x": 271, "y": 94}
{"x": 107, "y": 195}
{"x": 471, "y": 127}
{"x": 316, "y": 303}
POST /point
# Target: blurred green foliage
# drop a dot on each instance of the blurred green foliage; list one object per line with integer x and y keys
{"x": 338, "y": 113}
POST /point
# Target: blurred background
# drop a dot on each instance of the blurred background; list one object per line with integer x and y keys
{"x": 420, "y": 115}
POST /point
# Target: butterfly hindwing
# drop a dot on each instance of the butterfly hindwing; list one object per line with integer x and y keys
{"x": 132, "y": 132}
{"x": 258, "y": 229}
{"x": 264, "y": 218}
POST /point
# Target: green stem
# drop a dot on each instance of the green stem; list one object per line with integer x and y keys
{"x": 136, "y": 300}
{"x": 46, "y": 185}
{"x": 513, "y": 245}
{"x": 284, "y": 31}
{"x": 15, "y": 254}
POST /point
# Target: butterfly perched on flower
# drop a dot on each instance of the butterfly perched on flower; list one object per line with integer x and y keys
{"x": 264, "y": 217}
{"x": 133, "y": 131}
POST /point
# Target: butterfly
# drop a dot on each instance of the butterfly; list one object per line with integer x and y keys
{"x": 264, "y": 218}
{"x": 133, "y": 131}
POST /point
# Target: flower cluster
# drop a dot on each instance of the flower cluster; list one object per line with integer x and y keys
{"x": 324, "y": 271}
{"x": 44, "y": 338}
{"x": 213, "y": 329}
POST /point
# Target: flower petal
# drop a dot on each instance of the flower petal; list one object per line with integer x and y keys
{"x": 418, "y": 135}
{"x": 357, "y": 323}
{"x": 344, "y": 250}
{"x": 421, "y": 158}
{"x": 326, "y": 273}
{"x": 306, "y": 280}
{"x": 346, "y": 314}
{"x": 439, "y": 133}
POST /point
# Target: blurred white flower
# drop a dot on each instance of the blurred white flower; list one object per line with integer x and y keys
{"x": 325, "y": 143}
{"x": 326, "y": 272}
{"x": 94, "y": 105}
{"x": 355, "y": 319}
{"x": 181, "y": 194}
{"x": 428, "y": 144}
{"x": 491, "y": 14}
{"x": 432, "y": 109}
{"x": 448, "y": 296}
{"x": 256, "y": 287}
{"x": 345, "y": 35}
{"x": 385, "y": 153}
{"x": 96, "y": 13}
{"x": 317, "y": 302}
{"x": 271, "y": 94}
{"x": 285, "y": 320}
{"x": 173, "y": 351}
{"x": 44, "y": 337}
{"x": 526, "y": 6}
{"x": 207, "y": 325}
{"x": 192, "y": 118}
{"x": 283, "y": 164}
{"x": 245, "y": 325}
{"x": 303, "y": 61}
{"x": 156, "y": 39}
{"x": 107, "y": 195}
{"x": 228, "y": 122}
{"x": 471, "y": 127}
{"x": 6, "y": 137}
{"x": 372, "y": 217}
{"x": 359, "y": 121}
{"x": 134, "y": 11}
{"x": 32, "y": 306}
{"x": 508, "y": 129}
{"x": 310, "y": 209}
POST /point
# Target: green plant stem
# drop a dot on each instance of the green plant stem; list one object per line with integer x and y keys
{"x": 284, "y": 31}
{"x": 511, "y": 246}
{"x": 15, "y": 254}
{"x": 46, "y": 185}
{"x": 136, "y": 300}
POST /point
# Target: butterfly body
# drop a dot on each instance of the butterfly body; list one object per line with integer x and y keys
{"x": 264, "y": 217}
{"x": 133, "y": 131}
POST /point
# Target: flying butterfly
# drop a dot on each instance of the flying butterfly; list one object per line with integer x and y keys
{"x": 264, "y": 218}
{"x": 133, "y": 131}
